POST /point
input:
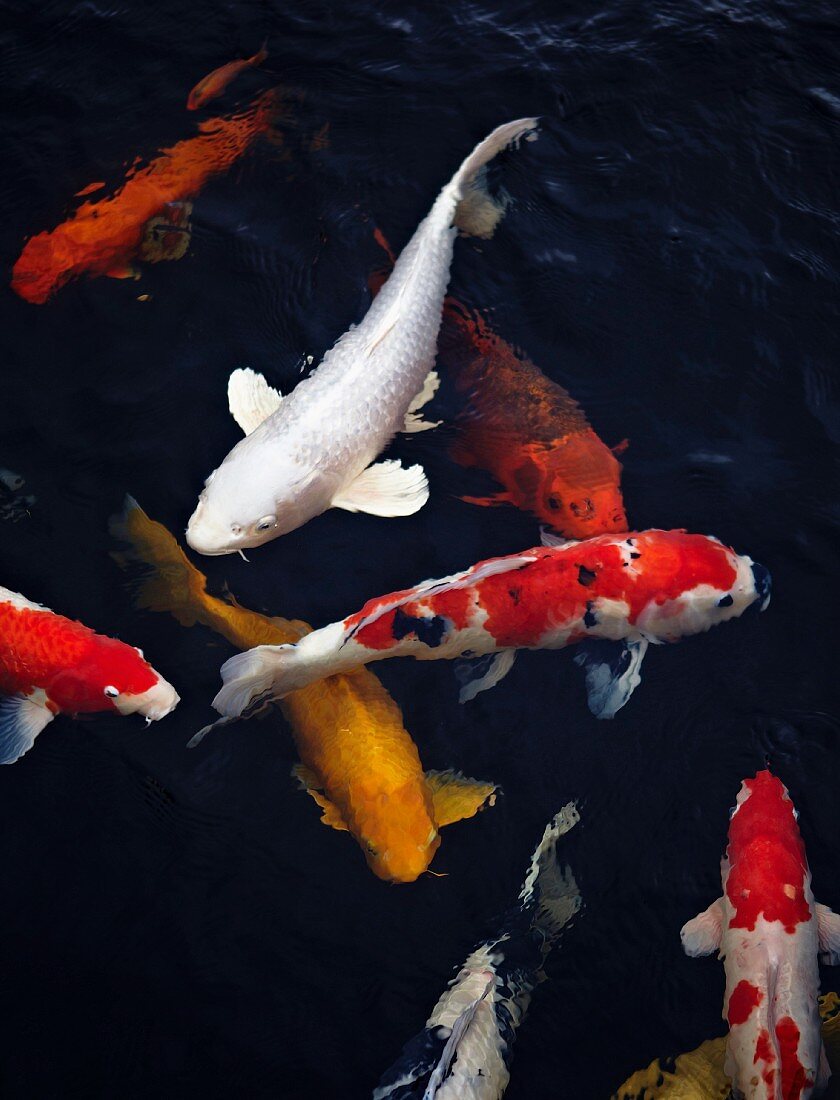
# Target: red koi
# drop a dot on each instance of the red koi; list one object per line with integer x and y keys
{"x": 103, "y": 237}
{"x": 50, "y": 665}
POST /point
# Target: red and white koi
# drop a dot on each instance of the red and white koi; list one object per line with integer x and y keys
{"x": 769, "y": 931}
{"x": 50, "y": 665}
{"x": 611, "y": 596}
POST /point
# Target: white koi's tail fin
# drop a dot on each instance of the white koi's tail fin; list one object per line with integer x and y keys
{"x": 465, "y": 199}
{"x": 273, "y": 671}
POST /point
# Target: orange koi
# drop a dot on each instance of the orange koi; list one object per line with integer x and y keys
{"x": 104, "y": 236}
{"x": 358, "y": 762}
{"x": 524, "y": 429}
{"x": 212, "y": 85}
{"x": 529, "y": 433}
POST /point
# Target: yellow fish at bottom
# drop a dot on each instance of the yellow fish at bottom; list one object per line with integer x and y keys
{"x": 358, "y": 761}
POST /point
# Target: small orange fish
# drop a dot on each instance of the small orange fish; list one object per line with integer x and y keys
{"x": 524, "y": 429}
{"x": 102, "y": 237}
{"x": 212, "y": 85}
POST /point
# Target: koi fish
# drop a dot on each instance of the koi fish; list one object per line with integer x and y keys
{"x": 699, "y": 1072}
{"x": 212, "y": 85}
{"x": 50, "y": 665}
{"x": 358, "y": 762}
{"x": 102, "y": 237}
{"x": 529, "y": 433}
{"x": 524, "y": 429}
{"x": 769, "y": 931}
{"x": 466, "y": 1047}
{"x": 312, "y": 450}
{"x": 611, "y": 595}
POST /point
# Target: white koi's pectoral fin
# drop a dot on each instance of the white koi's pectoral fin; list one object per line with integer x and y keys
{"x": 21, "y": 720}
{"x": 413, "y": 421}
{"x": 828, "y": 931}
{"x": 481, "y": 673}
{"x": 250, "y": 398}
{"x": 385, "y": 489}
{"x": 612, "y": 673}
{"x": 702, "y": 935}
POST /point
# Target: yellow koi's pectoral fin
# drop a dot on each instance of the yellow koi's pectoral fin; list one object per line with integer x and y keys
{"x": 310, "y": 782}
{"x": 455, "y": 796}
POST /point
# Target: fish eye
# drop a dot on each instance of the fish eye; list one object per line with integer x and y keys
{"x": 266, "y": 523}
{"x": 111, "y": 691}
{"x": 554, "y": 503}
{"x": 374, "y": 851}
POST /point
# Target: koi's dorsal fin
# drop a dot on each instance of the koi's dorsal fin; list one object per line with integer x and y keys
{"x": 250, "y": 398}
{"x": 310, "y": 782}
{"x": 456, "y": 797}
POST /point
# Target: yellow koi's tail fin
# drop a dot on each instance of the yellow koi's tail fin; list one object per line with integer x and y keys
{"x": 456, "y": 797}
{"x": 175, "y": 585}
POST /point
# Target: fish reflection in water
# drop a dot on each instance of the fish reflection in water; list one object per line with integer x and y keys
{"x": 14, "y": 504}
{"x": 466, "y": 1047}
{"x": 358, "y": 761}
{"x": 105, "y": 236}
{"x": 212, "y": 85}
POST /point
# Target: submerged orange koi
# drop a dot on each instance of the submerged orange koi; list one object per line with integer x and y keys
{"x": 212, "y": 85}
{"x": 524, "y": 429}
{"x": 358, "y": 762}
{"x": 102, "y": 237}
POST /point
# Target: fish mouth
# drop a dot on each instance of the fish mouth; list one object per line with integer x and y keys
{"x": 154, "y": 704}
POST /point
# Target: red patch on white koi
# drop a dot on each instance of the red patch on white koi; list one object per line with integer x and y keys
{"x": 794, "y": 1078}
{"x": 745, "y": 997}
{"x": 767, "y": 858}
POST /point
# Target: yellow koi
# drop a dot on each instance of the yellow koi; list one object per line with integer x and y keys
{"x": 358, "y": 762}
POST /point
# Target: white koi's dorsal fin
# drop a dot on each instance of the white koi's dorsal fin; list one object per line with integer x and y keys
{"x": 482, "y": 673}
{"x": 21, "y": 720}
{"x": 702, "y": 935}
{"x": 456, "y": 797}
{"x": 385, "y": 489}
{"x": 612, "y": 673}
{"x": 413, "y": 421}
{"x": 548, "y": 538}
{"x": 250, "y": 398}
{"x": 828, "y": 931}
{"x": 309, "y": 782}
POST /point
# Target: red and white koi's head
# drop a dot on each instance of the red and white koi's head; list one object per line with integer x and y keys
{"x": 114, "y": 676}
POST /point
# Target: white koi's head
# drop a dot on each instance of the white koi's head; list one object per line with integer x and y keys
{"x": 249, "y": 500}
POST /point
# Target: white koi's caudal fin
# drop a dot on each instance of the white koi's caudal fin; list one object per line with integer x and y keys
{"x": 473, "y": 210}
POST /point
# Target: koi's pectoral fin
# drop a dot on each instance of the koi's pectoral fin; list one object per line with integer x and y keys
{"x": 456, "y": 797}
{"x": 21, "y": 720}
{"x": 491, "y": 501}
{"x": 414, "y": 422}
{"x": 702, "y": 935}
{"x": 481, "y": 673}
{"x": 385, "y": 489}
{"x": 309, "y": 782}
{"x": 828, "y": 931}
{"x": 612, "y": 673}
{"x": 250, "y": 399}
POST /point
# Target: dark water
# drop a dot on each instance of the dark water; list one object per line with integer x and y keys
{"x": 181, "y": 924}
